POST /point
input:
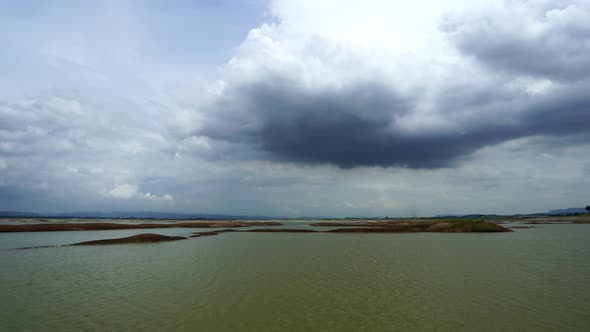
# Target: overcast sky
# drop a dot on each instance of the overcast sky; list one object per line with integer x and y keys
{"x": 295, "y": 107}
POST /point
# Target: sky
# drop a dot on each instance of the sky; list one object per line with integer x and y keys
{"x": 295, "y": 107}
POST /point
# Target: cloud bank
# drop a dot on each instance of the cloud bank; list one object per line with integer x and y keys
{"x": 296, "y": 107}
{"x": 474, "y": 79}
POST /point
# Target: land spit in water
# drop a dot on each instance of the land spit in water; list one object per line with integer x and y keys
{"x": 462, "y": 226}
{"x": 382, "y": 227}
{"x": 442, "y": 226}
{"x": 89, "y": 226}
{"x": 140, "y": 238}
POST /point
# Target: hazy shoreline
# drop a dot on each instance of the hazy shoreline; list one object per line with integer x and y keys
{"x": 333, "y": 226}
{"x": 92, "y": 226}
{"x": 471, "y": 226}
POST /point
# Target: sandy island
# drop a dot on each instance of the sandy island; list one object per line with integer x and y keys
{"x": 140, "y": 238}
{"x": 381, "y": 227}
{"x": 457, "y": 225}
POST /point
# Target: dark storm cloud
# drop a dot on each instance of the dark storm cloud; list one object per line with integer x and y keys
{"x": 359, "y": 125}
{"x": 559, "y": 49}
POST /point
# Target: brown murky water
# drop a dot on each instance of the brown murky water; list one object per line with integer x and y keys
{"x": 530, "y": 280}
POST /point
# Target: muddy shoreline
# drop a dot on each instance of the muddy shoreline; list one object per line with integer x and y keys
{"x": 474, "y": 226}
{"x": 370, "y": 227}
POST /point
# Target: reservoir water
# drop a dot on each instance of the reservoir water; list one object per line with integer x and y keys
{"x": 529, "y": 280}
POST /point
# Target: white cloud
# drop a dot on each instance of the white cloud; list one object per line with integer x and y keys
{"x": 152, "y": 197}
{"x": 539, "y": 87}
{"x": 123, "y": 191}
{"x": 130, "y": 191}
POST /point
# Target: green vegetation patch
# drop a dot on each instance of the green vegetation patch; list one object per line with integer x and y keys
{"x": 473, "y": 226}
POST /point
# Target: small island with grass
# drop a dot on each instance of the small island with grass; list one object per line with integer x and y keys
{"x": 332, "y": 227}
{"x": 465, "y": 224}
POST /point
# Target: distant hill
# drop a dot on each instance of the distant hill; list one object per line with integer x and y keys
{"x": 129, "y": 215}
{"x": 18, "y": 214}
{"x": 567, "y": 211}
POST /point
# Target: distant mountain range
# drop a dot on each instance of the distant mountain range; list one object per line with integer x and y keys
{"x": 567, "y": 211}
{"x": 549, "y": 213}
{"x": 129, "y": 215}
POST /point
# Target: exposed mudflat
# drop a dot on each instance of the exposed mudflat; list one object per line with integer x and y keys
{"x": 460, "y": 226}
{"x": 379, "y": 227}
{"x": 140, "y": 238}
